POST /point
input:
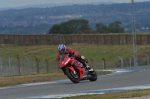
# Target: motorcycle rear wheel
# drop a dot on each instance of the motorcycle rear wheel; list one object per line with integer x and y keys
{"x": 93, "y": 76}
{"x": 72, "y": 76}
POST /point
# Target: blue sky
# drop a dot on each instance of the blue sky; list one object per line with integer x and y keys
{"x": 19, "y": 3}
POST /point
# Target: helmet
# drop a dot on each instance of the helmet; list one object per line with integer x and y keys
{"x": 61, "y": 48}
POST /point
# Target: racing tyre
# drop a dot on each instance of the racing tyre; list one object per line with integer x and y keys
{"x": 74, "y": 77}
{"x": 93, "y": 76}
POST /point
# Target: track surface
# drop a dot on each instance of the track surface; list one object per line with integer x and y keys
{"x": 133, "y": 77}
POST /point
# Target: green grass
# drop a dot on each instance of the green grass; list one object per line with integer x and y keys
{"x": 23, "y": 79}
{"x": 96, "y": 52}
{"x": 120, "y": 95}
{"x": 32, "y": 52}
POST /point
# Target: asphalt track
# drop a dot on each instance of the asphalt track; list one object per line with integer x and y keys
{"x": 126, "y": 77}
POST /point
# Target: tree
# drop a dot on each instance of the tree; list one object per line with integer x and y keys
{"x": 115, "y": 27}
{"x": 55, "y": 29}
{"x": 101, "y": 28}
{"x": 71, "y": 27}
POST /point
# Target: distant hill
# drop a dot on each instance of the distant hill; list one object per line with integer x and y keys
{"x": 52, "y": 5}
{"x": 39, "y": 20}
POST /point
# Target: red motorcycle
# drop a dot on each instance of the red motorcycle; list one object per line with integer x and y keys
{"x": 75, "y": 74}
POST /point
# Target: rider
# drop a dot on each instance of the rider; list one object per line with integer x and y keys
{"x": 80, "y": 59}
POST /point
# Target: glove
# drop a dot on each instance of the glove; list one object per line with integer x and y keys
{"x": 83, "y": 58}
{"x": 80, "y": 57}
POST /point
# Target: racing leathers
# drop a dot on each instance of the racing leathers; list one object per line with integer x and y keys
{"x": 71, "y": 53}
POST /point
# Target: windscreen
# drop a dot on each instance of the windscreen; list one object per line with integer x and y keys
{"x": 62, "y": 56}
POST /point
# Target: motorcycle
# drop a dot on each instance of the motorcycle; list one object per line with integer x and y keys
{"x": 75, "y": 74}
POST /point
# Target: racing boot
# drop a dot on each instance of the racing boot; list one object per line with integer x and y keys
{"x": 89, "y": 68}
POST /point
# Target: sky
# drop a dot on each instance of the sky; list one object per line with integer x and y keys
{"x": 20, "y": 3}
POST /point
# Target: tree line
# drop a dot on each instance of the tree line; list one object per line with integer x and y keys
{"x": 77, "y": 26}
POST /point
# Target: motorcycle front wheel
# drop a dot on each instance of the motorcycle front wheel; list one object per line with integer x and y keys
{"x": 73, "y": 76}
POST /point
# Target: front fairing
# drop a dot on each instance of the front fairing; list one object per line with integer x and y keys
{"x": 64, "y": 60}
{"x": 66, "y": 63}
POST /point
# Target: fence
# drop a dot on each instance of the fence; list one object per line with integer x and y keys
{"x": 21, "y": 66}
{"x": 114, "y": 39}
{"x": 17, "y": 66}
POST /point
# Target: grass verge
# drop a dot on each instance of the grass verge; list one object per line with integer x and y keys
{"x": 24, "y": 79}
{"x": 120, "y": 95}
